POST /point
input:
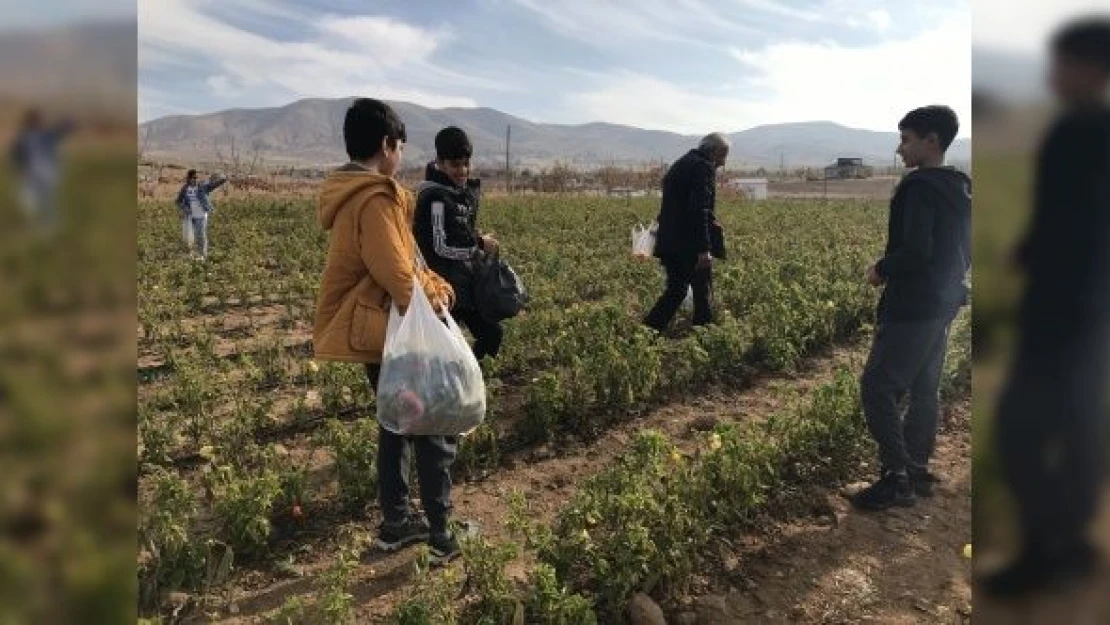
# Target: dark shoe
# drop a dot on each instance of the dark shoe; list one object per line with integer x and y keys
{"x": 1034, "y": 572}
{"x": 924, "y": 483}
{"x": 394, "y": 537}
{"x": 442, "y": 548}
{"x": 892, "y": 489}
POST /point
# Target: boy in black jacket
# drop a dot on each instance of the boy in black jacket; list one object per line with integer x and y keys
{"x": 446, "y": 230}
{"x": 927, "y": 258}
{"x": 1052, "y": 414}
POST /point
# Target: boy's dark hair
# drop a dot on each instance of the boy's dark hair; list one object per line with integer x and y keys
{"x": 367, "y": 122}
{"x": 1086, "y": 40}
{"x": 452, "y": 143}
{"x": 192, "y": 173}
{"x": 936, "y": 118}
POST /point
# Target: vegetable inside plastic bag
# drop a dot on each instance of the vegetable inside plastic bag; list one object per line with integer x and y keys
{"x": 430, "y": 384}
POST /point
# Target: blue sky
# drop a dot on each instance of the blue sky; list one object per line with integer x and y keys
{"x": 689, "y": 66}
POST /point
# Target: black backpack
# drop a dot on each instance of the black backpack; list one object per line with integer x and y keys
{"x": 498, "y": 291}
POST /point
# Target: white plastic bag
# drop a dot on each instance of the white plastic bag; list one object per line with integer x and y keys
{"x": 643, "y": 241}
{"x": 430, "y": 384}
{"x": 187, "y": 232}
{"x": 688, "y": 303}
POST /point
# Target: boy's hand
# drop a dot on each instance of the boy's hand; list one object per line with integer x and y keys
{"x": 705, "y": 261}
{"x": 490, "y": 245}
{"x": 873, "y": 277}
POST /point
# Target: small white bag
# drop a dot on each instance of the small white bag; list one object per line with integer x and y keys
{"x": 187, "y": 232}
{"x": 643, "y": 241}
{"x": 431, "y": 383}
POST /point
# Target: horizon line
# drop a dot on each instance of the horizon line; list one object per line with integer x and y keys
{"x": 474, "y": 108}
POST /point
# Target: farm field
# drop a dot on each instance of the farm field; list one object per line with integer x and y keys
{"x": 878, "y": 188}
{"x": 611, "y": 462}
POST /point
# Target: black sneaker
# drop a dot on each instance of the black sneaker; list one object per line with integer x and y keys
{"x": 924, "y": 483}
{"x": 442, "y": 548}
{"x": 892, "y": 489}
{"x": 394, "y": 537}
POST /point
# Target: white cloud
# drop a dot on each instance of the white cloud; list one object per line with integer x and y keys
{"x": 616, "y": 26}
{"x": 223, "y": 86}
{"x": 870, "y": 87}
{"x": 353, "y": 55}
{"x": 649, "y": 102}
{"x": 390, "y": 41}
{"x": 782, "y": 10}
{"x": 865, "y": 87}
{"x": 880, "y": 19}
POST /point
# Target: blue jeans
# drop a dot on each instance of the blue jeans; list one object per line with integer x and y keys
{"x": 200, "y": 234}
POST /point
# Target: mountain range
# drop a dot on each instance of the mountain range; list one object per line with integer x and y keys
{"x": 309, "y": 132}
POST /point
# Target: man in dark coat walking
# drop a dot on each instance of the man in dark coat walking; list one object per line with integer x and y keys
{"x": 688, "y": 237}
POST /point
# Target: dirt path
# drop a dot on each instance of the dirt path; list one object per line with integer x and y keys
{"x": 856, "y": 556}
{"x": 844, "y": 566}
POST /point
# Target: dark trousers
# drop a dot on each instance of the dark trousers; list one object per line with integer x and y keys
{"x": 682, "y": 275}
{"x": 487, "y": 335}
{"x": 434, "y": 457}
{"x": 906, "y": 357}
{"x": 1050, "y": 430}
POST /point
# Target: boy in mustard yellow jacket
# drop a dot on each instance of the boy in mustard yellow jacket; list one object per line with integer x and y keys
{"x": 370, "y": 265}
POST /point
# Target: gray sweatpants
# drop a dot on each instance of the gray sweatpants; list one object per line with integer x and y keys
{"x": 906, "y": 357}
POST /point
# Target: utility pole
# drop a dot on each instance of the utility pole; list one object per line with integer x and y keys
{"x": 508, "y": 166}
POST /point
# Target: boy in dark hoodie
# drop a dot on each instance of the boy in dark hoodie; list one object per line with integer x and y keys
{"x": 923, "y": 273}
{"x": 1052, "y": 413}
{"x": 446, "y": 230}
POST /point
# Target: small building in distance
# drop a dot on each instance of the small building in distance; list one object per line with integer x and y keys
{"x": 626, "y": 192}
{"x": 845, "y": 168}
{"x": 752, "y": 188}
